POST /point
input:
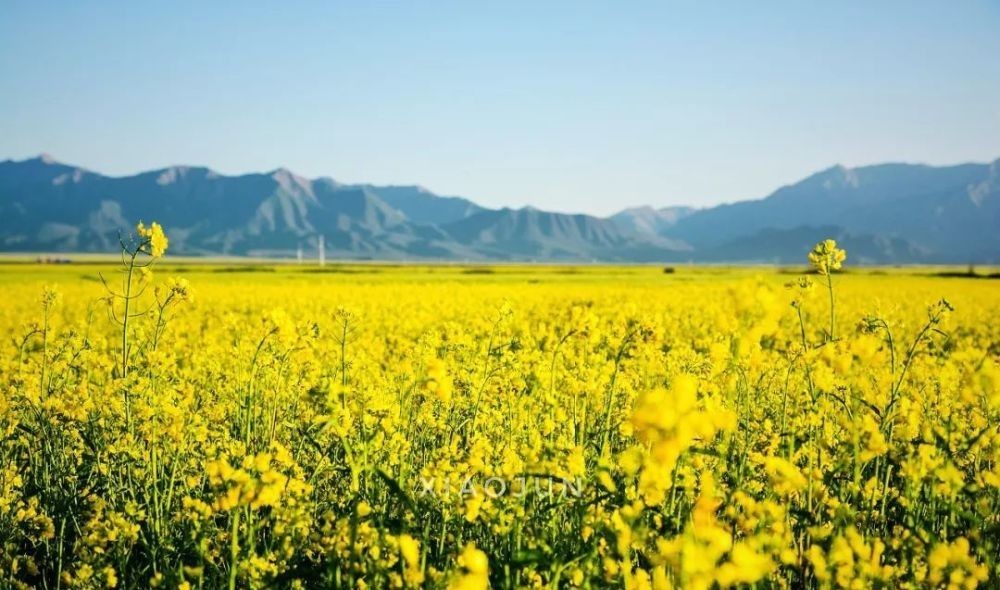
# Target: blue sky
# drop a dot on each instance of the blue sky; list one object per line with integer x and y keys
{"x": 570, "y": 106}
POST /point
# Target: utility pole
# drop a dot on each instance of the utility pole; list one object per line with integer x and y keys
{"x": 298, "y": 254}
{"x": 322, "y": 251}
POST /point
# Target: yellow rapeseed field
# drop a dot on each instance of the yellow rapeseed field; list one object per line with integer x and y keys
{"x": 367, "y": 426}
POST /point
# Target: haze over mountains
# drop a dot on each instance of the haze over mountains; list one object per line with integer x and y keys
{"x": 889, "y": 213}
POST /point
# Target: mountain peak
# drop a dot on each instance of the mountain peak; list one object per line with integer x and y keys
{"x": 285, "y": 175}
{"x": 177, "y": 173}
{"x": 837, "y": 176}
{"x": 43, "y": 168}
{"x": 290, "y": 181}
{"x": 42, "y": 159}
{"x": 650, "y": 220}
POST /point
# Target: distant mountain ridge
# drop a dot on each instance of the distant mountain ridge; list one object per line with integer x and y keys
{"x": 648, "y": 219}
{"x": 887, "y": 213}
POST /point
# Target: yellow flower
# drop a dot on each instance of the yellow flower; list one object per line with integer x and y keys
{"x": 745, "y": 566}
{"x": 826, "y": 257}
{"x": 409, "y": 548}
{"x": 476, "y": 568}
{"x": 953, "y": 562}
{"x": 438, "y": 382}
{"x": 785, "y": 477}
{"x": 154, "y": 236}
{"x": 670, "y": 421}
{"x": 474, "y": 560}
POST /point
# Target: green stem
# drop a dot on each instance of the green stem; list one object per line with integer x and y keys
{"x": 829, "y": 287}
{"x": 128, "y": 300}
{"x": 234, "y": 548}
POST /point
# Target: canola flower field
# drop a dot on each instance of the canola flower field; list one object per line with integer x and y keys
{"x": 199, "y": 426}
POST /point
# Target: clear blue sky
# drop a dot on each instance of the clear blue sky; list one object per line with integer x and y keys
{"x": 570, "y": 106}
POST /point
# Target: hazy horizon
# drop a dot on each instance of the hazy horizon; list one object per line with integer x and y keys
{"x": 575, "y": 107}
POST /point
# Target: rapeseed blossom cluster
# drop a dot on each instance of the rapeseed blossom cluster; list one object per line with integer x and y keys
{"x": 826, "y": 257}
{"x": 154, "y": 240}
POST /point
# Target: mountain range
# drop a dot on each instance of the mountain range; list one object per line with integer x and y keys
{"x": 884, "y": 214}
